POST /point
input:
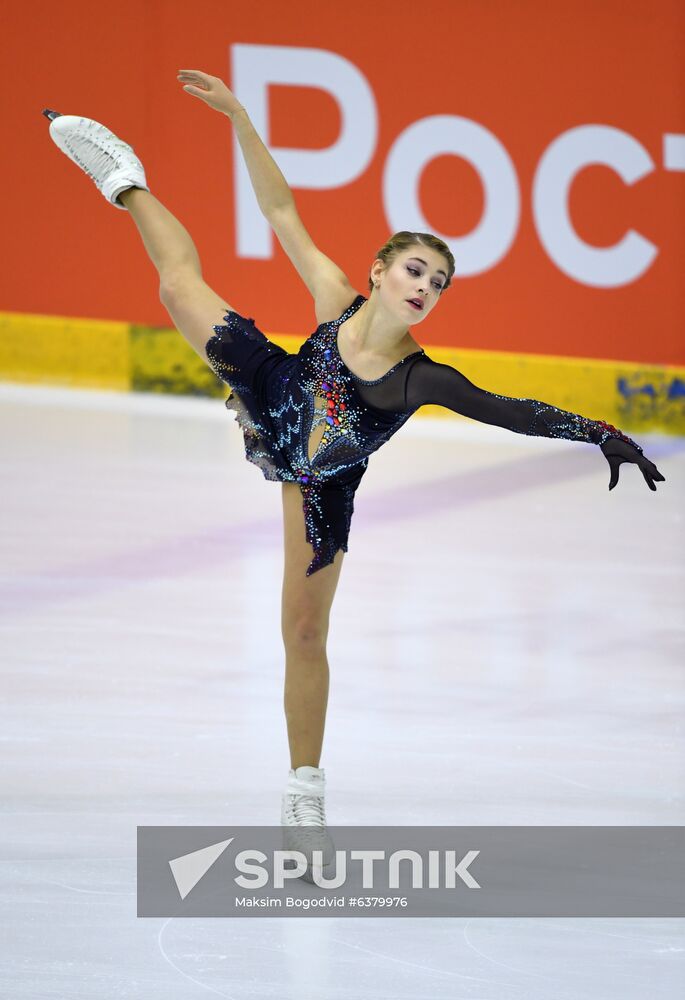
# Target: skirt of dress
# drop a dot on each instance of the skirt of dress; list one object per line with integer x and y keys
{"x": 260, "y": 376}
{"x": 257, "y": 372}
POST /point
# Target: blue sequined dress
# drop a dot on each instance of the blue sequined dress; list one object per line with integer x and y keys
{"x": 274, "y": 395}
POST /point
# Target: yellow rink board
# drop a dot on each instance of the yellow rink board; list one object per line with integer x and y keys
{"x": 97, "y": 354}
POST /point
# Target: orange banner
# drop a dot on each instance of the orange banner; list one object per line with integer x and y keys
{"x": 544, "y": 143}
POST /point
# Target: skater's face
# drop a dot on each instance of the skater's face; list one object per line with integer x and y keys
{"x": 418, "y": 273}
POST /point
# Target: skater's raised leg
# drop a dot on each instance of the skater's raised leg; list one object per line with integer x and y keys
{"x": 193, "y": 306}
{"x": 168, "y": 243}
{"x": 120, "y": 177}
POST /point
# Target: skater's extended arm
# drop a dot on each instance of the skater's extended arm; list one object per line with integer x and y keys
{"x": 270, "y": 186}
{"x": 327, "y": 283}
{"x": 430, "y": 382}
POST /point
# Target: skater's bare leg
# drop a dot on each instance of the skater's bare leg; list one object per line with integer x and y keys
{"x": 193, "y": 306}
{"x": 168, "y": 243}
{"x": 306, "y": 605}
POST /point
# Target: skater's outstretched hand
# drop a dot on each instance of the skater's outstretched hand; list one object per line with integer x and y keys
{"x": 211, "y": 90}
{"x": 616, "y": 451}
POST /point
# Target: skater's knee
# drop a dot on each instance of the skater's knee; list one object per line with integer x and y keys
{"x": 305, "y": 633}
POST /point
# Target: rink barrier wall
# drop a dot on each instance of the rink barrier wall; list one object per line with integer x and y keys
{"x": 97, "y": 354}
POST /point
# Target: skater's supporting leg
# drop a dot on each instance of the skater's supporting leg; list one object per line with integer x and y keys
{"x": 306, "y": 605}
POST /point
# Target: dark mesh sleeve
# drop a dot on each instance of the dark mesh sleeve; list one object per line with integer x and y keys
{"x": 431, "y": 382}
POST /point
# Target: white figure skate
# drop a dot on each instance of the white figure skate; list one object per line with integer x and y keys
{"x": 109, "y": 161}
{"x": 303, "y": 818}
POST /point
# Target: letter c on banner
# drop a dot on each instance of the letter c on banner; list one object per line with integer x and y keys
{"x": 562, "y": 161}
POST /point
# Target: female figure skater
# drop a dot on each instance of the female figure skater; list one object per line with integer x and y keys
{"x": 311, "y": 420}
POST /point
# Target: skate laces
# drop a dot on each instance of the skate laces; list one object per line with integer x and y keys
{"x": 307, "y": 810}
{"x": 101, "y": 153}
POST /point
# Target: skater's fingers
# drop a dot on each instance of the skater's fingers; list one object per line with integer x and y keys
{"x": 211, "y": 89}
{"x": 204, "y": 85}
{"x": 194, "y": 74}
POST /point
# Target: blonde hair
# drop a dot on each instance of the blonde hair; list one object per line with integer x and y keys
{"x": 405, "y": 240}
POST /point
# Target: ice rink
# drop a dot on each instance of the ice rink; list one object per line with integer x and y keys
{"x": 506, "y": 647}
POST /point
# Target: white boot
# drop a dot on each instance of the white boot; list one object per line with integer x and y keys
{"x": 108, "y": 160}
{"x": 303, "y": 817}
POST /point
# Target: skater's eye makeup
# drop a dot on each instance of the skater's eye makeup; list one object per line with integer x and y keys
{"x": 421, "y": 261}
{"x": 413, "y": 270}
